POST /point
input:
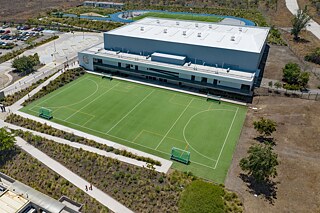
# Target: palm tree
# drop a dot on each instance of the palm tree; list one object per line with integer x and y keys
{"x": 300, "y": 21}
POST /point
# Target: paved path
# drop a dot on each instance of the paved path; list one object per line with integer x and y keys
{"x": 313, "y": 27}
{"x": 53, "y": 54}
{"x": 163, "y": 168}
{"x": 165, "y": 164}
{"x": 96, "y": 193}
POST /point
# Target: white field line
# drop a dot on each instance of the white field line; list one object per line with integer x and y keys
{"x": 174, "y": 123}
{"x": 138, "y": 104}
{"x": 91, "y": 102}
{"x": 60, "y": 92}
{"x": 225, "y": 140}
{"x": 132, "y": 142}
{"x": 89, "y": 96}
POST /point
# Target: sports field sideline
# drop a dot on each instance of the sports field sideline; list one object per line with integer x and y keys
{"x": 151, "y": 120}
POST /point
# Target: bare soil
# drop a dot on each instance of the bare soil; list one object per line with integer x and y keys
{"x": 19, "y": 11}
{"x": 296, "y": 189}
{"x": 279, "y": 56}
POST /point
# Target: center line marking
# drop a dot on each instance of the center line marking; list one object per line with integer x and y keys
{"x": 130, "y": 111}
{"x": 174, "y": 123}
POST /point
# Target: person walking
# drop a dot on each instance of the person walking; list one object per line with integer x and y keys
{"x": 90, "y": 187}
{"x": 86, "y": 188}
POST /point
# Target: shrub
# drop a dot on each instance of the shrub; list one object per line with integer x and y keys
{"x": 46, "y": 129}
{"x": 202, "y": 196}
{"x": 313, "y": 57}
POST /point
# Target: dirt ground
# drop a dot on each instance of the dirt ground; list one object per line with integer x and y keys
{"x": 279, "y": 56}
{"x": 19, "y": 11}
{"x": 298, "y": 148}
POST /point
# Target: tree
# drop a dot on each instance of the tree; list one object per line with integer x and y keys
{"x": 300, "y": 21}
{"x": 291, "y": 73}
{"x": 25, "y": 64}
{"x": 7, "y": 141}
{"x": 265, "y": 126}
{"x": 304, "y": 79}
{"x": 260, "y": 163}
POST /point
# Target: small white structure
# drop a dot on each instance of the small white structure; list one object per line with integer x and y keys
{"x": 201, "y": 55}
{"x": 114, "y": 5}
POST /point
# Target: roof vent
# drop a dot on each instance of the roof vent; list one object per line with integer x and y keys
{"x": 165, "y": 30}
{"x": 240, "y": 29}
{"x": 158, "y": 21}
{"x": 142, "y": 28}
{"x": 177, "y": 23}
{"x": 199, "y": 34}
{"x": 184, "y": 33}
{"x": 210, "y": 26}
{"x": 228, "y": 70}
{"x": 196, "y": 25}
{"x": 233, "y": 38}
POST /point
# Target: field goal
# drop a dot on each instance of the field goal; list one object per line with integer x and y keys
{"x": 213, "y": 97}
{"x": 45, "y": 113}
{"x": 107, "y": 77}
{"x": 180, "y": 155}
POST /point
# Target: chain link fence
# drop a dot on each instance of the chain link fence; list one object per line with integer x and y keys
{"x": 287, "y": 93}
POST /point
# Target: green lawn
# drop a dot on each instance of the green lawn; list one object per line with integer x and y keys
{"x": 179, "y": 16}
{"x": 150, "y": 119}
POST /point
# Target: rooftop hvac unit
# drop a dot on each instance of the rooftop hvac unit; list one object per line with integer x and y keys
{"x": 199, "y": 34}
{"x": 240, "y": 29}
{"x": 233, "y": 38}
{"x": 158, "y": 21}
{"x": 184, "y": 33}
{"x": 165, "y": 30}
{"x": 228, "y": 70}
{"x": 142, "y": 28}
{"x": 197, "y": 25}
{"x": 210, "y": 26}
{"x": 177, "y": 23}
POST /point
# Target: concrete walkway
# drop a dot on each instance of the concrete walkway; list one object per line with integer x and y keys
{"x": 313, "y": 27}
{"x": 163, "y": 168}
{"x": 165, "y": 164}
{"x": 79, "y": 182}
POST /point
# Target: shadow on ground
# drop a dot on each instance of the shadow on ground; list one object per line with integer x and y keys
{"x": 265, "y": 140}
{"x": 267, "y": 190}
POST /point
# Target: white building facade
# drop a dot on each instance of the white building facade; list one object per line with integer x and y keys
{"x": 206, "y": 56}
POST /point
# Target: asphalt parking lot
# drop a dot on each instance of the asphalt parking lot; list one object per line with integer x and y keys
{"x": 19, "y": 38}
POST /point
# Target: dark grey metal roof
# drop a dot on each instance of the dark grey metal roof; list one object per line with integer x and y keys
{"x": 45, "y": 202}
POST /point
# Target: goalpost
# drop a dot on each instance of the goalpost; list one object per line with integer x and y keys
{"x": 107, "y": 76}
{"x": 213, "y": 97}
{"x": 180, "y": 155}
{"x": 45, "y": 113}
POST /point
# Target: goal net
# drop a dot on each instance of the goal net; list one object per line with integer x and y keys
{"x": 180, "y": 155}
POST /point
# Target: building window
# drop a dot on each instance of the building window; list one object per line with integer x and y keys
{"x": 97, "y": 61}
{"x": 193, "y": 78}
{"x": 204, "y": 80}
{"x": 245, "y": 87}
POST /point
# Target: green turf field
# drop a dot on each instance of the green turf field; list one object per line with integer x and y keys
{"x": 151, "y": 120}
{"x": 179, "y": 16}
